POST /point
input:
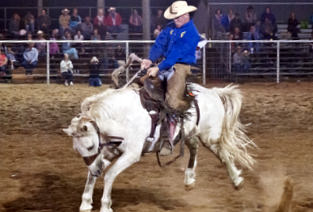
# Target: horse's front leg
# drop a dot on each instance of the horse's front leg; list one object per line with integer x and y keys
{"x": 122, "y": 163}
{"x": 190, "y": 172}
{"x": 86, "y": 204}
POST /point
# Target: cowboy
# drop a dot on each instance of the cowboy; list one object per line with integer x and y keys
{"x": 177, "y": 43}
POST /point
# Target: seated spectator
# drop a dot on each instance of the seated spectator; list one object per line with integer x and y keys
{"x": 95, "y": 35}
{"x": 79, "y": 36}
{"x": 311, "y": 21}
{"x": 99, "y": 23}
{"x": 293, "y": 26}
{"x": 250, "y": 18}
{"x": 157, "y": 31}
{"x": 236, "y": 22}
{"x": 135, "y": 22}
{"x": 44, "y": 21}
{"x": 67, "y": 46}
{"x": 94, "y": 76}
{"x": 237, "y": 34}
{"x": 217, "y": 25}
{"x": 10, "y": 55}
{"x": 268, "y": 29}
{"x": 29, "y": 21}
{"x": 241, "y": 60}
{"x": 75, "y": 21}
{"x": 253, "y": 34}
{"x": 14, "y": 26}
{"x": 30, "y": 56}
{"x": 3, "y": 64}
{"x": 119, "y": 54}
{"x": 64, "y": 21}
{"x": 269, "y": 16}
{"x": 226, "y": 19}
{"x": 66, "y": 68}
{"x": 54, "y": 47}
{"x": 41, "y": 47}
{"x": 113, "y": 21}
{"x": 87, "y": 28}
{"x": 159, "y": 19}
{"x": 29, "y": 36}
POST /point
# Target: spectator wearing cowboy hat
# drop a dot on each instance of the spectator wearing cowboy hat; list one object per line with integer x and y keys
{"x": 64, "y": 21}
{"x": 113, "y": 21}
{"x": 94, "y": 72}
{"x": 177, "y": 43}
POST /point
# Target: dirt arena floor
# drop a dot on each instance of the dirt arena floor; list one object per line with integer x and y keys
{"x": 40, "y": 172}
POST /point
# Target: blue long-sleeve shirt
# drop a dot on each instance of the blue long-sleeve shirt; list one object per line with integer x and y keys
{"x": 176, "y": 45}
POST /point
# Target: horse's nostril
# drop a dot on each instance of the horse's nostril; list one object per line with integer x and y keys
{"x": 90, "y": 148}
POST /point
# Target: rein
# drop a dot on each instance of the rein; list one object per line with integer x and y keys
{"x": 113, "y": 141}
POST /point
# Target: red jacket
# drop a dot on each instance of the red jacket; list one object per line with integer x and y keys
{"x": 118, "y": 20}
{"x": 96, "y": 21}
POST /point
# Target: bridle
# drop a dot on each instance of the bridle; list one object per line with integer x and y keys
{"x": 114, "y": 141}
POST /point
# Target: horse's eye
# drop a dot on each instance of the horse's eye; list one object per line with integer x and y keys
{"x": 90, "y": 148}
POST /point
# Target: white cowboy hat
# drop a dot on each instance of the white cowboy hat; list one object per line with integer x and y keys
{"x": 111, "y": 9}
{"x": 178, "y": 8}
{"x": 94, "y": 59}
{"x": 65, "y": 10}
{"x": 39, "y": 32}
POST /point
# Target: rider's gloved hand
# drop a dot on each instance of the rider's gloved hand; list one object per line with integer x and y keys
{"x": 145, "y": 64}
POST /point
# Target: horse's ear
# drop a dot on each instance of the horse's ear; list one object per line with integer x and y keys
{"x": 68, "y": 131}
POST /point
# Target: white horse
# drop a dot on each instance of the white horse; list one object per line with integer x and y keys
{"x": 118, "y": 116}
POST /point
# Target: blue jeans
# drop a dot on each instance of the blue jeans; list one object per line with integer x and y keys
{"x": 29, "y": 66}
{"x": 68, "y": 76}
{"x": 95, "y": 81}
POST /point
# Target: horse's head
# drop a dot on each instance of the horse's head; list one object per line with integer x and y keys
{"x": 86, "y": 141}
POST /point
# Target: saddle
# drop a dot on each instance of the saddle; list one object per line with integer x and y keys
{"x": 163, "y": 118}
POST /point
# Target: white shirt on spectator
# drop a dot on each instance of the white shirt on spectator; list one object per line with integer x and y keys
{"x": 66, "y": 66}
{"x": 81, "y": 37}
{"x": 31, "y": 55}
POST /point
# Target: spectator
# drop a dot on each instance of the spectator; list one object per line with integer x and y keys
{"x": 159, "y": 19}
{"x": 119, "y": 54}
{"x": 253, "y": 34}
{"x": 250, "y": 18}
{"x": 241, "y": 60}
{"x": 29, "y": 21}
{"x": 311, "y": 44}
{"x": 44, "y": 21}
{"x": 75, "y": 21}
{"x": 217, "y": 25}
{"x": 236, "y": 22}
{"x": 99, "y": 23}
{"x": 3, "y": 64}
{"x": 293, "y": 26}
{"x": 10, "y": 55}
{"x": 29, "y": 36}
{"x": 94, "y": 76}
{"x": 113, "y": 21}
{"x": 30, "y": 56}
{"x": 96, "y": 35}
{"x": 271, "y": 17}
{"x": 135, "y": 22}
{"x": 157, "y": 31}
{"x": 87, "y": 28}
{"x": 54, "y": 47}
{"x": 64, "y": 21}
{"x": 66, "y": 68}
{"x": 237, "y": 34}
{"x": 41, "y": 47}
{"x": 79, "y": 36}
{"x": 14, "y": 26}
{"x": 268, "y": 29}
{"x": 226, "y": 19}
{"x": 311, "y": 21}
{"x": 67, "y": 46}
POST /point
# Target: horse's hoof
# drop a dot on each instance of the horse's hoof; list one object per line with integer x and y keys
{"x": 189, "y": 187}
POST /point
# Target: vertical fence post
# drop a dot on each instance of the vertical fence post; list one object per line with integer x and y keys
{"x": 126, "y": 54}
{"x": 278, "y": 62}
{"x": 48, "y": 62}
{"x": 229, "y": 59}
{"x": 204, "y": 65}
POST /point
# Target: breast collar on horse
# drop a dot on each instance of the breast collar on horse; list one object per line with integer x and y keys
{"x": 114, "y": 141}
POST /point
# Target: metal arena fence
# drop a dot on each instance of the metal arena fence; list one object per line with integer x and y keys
{"x": 225, "y": 60}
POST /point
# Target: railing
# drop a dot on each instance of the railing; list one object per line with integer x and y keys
{"x": 266, "y": 58}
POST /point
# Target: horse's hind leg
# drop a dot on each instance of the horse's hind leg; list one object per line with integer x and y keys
{"x": 211, "y": 142}
{"x": 86, "y": 204}
{"x": 190, "y": 172}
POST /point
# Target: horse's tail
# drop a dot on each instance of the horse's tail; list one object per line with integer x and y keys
{"x": 234, "y": 142}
